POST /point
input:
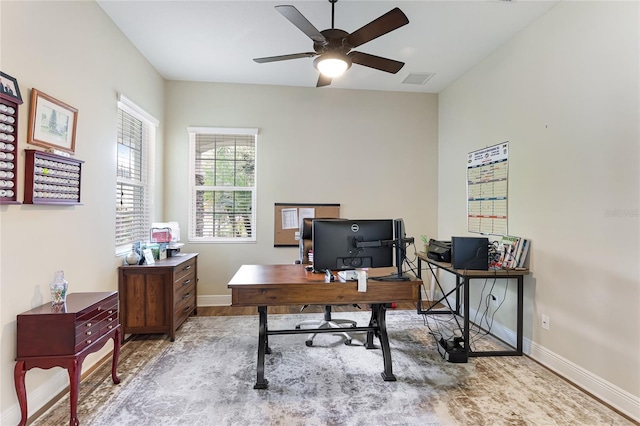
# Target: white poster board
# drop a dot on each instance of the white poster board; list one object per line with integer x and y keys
{"x": 487, "y": 187}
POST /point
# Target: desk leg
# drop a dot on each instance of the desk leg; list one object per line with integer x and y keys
{"x": 387, "y": 374}
{"x": 18, "y": 377}
{"x": 373, "y": 322}
{"x": 465, "y": 283}
{"x": 263, "y": 347}
{"x": 520, "y": 314}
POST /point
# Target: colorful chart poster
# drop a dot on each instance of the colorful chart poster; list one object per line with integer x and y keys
{"x": 487, "y": 178}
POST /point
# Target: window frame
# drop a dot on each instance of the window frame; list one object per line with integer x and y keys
{"x": 147, "y": 169}
{"x": 193, "y": 188}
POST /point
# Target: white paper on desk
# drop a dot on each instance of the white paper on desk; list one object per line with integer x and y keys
{"x": 362, "y": 280}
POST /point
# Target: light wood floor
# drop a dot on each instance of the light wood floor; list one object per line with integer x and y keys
{"x": 206, "y": 311}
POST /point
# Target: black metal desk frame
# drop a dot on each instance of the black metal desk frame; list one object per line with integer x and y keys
{"x": 463, "y": 278}
{"x": 377, "y": 326}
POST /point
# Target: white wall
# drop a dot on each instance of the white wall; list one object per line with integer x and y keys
{"x": 73, "y": 52}
{"x": 374, "y": 153}
{"x": 565, "y": 93}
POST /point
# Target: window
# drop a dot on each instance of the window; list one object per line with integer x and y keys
{"x": 136, "y": 134}
{"x": 223, "y": 184}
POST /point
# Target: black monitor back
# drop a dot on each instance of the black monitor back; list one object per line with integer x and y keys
{"x": 470, "y": 253}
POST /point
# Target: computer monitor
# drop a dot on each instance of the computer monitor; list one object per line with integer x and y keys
{"x": 470, "y": 253}
{"x": 336, "y": 244}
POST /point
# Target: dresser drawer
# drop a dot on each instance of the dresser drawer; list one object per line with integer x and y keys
{"x": 184, "y": 295}
{"x": 87, "y": 335}
{"x": 91, "y": 312}
{"x": 184, "y": 269}
{"x": 185, "y": 281}
{"x": 109, "y": 323}
{"x": 183, "y": 309}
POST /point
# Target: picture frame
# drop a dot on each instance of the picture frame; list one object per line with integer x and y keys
{"x": 52, "y": 123}
{"x": 9, "y": 88}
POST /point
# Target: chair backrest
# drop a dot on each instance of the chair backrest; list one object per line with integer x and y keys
{"x": 306, "y": 242}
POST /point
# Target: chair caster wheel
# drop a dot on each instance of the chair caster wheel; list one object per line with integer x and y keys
{"x": 347, "y": 342}
{"x": 298, "y": 327}
{"x": 353, "y": 325}
{"x": 308, "y": 343}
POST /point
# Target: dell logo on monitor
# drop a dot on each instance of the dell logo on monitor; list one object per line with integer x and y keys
{"x": 355, "y": 227}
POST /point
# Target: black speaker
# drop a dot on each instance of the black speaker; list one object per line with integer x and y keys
{"x": 470, "y": 253}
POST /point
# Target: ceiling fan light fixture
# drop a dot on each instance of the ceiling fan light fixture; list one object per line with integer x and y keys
{"x": 332, "y": 64}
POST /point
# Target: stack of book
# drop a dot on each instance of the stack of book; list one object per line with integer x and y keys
{"x": 513, "y": 252}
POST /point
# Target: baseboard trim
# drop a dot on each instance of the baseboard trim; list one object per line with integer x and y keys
{"x": 214, "y": 300}
{"x": 617, "y": 398}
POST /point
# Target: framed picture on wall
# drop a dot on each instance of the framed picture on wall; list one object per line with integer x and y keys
{"x": 9, "y": 88}
{"x": 52, "y": 123}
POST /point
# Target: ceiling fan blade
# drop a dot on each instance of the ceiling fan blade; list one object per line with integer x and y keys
{"x": 377, "y": 62}
{"x": 323, "y": 80}
{"x": 388, "y": 22}
{"x": 297, "y": 19}
{"x": 285, "y": 57}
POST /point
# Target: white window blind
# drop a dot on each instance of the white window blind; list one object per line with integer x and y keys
{"x": 223, "y": 184}
{"x": 134, "y": 181}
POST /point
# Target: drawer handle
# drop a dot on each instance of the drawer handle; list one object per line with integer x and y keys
{"x": 110, "y": 327}
{"x": 88, "y": 333}
{"x": 186, "y": 268}
{"x": 88, "y": 341}
{"x": 186, "y": 296}
{"x": 187, "y": 309}
{"x": 109, "y": 319}
{"x": 110, "y": 311}
{"x": 88, "y": 324}
{"x": 186, "y": 282}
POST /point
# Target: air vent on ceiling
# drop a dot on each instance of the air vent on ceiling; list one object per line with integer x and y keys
{"x": 418, "y": 78}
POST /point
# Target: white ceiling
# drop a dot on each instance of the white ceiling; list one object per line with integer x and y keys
{"x": 215, "y": 41}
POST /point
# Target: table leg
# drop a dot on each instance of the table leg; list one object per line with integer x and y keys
{"x": 116, "y": 355}
{"x": 74, "y": 368}
{"x": 373, "y": 322}
{"x": 520, "y": 314}
{"x": 261, "y": 382}
{"x": 467, "y": 343}
{"x": 18, "y": 378}
{"x": 387, "y": 374}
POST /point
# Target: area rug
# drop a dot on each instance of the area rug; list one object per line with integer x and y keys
{"x": 206, "y": 377}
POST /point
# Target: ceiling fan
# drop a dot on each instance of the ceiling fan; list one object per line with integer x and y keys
{"x": 333, "y": 46}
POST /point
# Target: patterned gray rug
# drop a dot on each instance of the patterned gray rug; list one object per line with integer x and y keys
{"x": 206, "y": 377}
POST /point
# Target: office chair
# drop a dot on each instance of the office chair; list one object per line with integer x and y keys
{"x": 306, "y": 245}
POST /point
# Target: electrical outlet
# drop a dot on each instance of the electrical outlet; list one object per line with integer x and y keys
{"x": 545, "y": 322}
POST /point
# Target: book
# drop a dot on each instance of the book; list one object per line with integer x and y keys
{"x": 522, "y": 258}
{"x": 509, "y": 248}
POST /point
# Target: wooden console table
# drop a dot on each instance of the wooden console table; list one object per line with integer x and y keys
{"x": 63, "y": 336}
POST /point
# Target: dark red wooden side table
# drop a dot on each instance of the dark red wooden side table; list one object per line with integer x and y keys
{"x": 62, "y": 336}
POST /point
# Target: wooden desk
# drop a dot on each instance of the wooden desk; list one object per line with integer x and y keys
{"x": 63, "y": 336}
{"x": 463, "y": 279}
{"x": 264, "y": 285}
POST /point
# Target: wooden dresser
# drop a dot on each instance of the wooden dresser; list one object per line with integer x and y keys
{"x": 62, "y": 336}
{"x": 158, "y": 298}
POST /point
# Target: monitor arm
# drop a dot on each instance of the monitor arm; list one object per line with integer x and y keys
{"x": 382, "y": 243}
